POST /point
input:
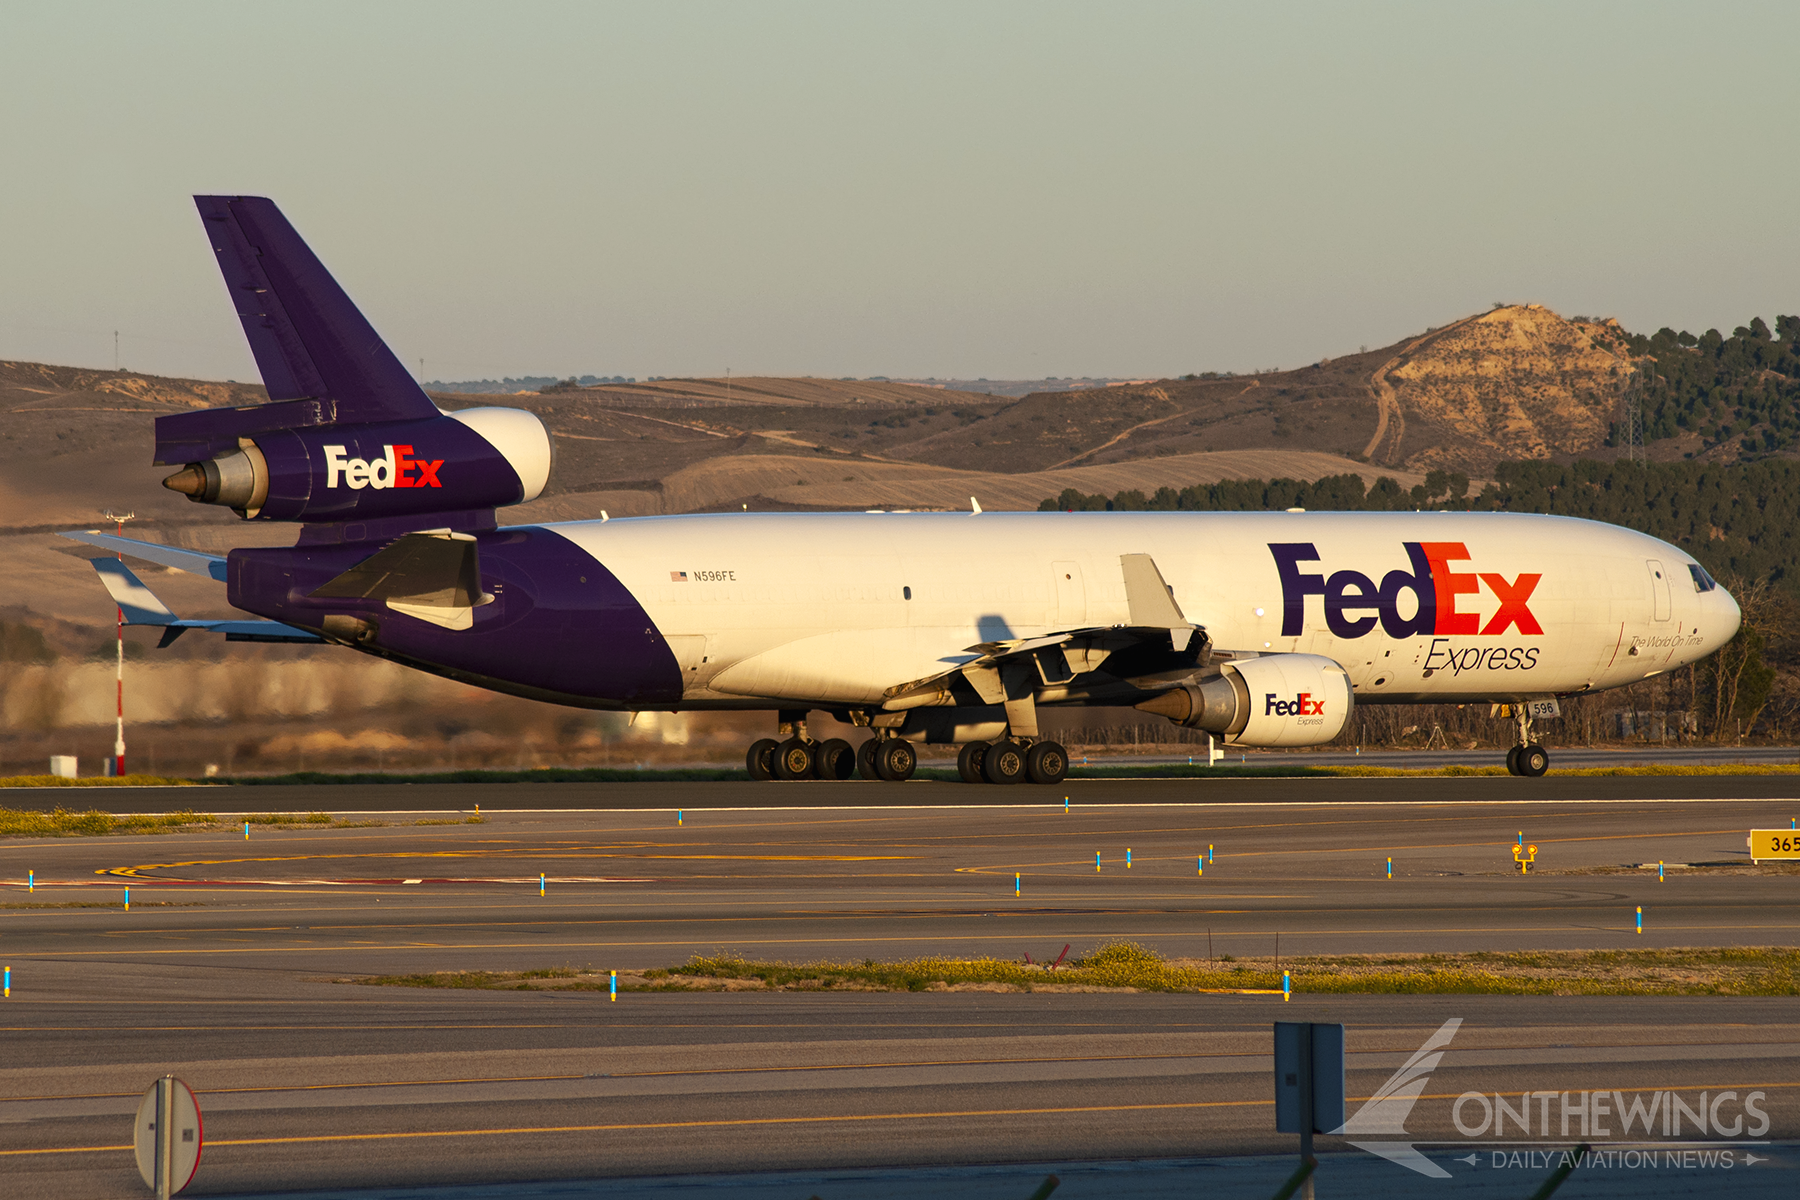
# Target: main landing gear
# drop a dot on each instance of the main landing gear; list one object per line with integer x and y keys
{"x": 1527, "y": 758}
{"x": 1012, "y": 761}
{"x": 795, "y": 756}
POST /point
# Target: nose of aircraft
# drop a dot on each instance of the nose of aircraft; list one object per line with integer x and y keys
{"x": 1724, "y": 619}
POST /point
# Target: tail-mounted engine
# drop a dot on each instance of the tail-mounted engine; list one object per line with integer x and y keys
{"x": 1271, "y": 700}
{"x": 476, "y": 458}
{"x": 349, "y": 433}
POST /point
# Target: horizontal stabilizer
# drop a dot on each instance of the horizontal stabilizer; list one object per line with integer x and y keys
{"x": 140, "y": 606}
{"x": 309, "y": 339}
{"x": 210, "y": 565}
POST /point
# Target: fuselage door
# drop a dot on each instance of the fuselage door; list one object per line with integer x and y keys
{"x": 1659, "y": 590}
{"x": 1071, "y": 597}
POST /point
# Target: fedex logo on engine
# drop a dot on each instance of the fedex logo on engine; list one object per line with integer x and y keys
{"x": 396, "y": 468}
{"x": 1354, "y": 602}
{"x": 1302, "y": 705}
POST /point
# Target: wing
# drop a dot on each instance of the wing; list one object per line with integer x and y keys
{"x": 1004, "y": 670}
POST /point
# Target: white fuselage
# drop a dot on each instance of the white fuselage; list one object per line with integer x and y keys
{"x": 841, "y": 608}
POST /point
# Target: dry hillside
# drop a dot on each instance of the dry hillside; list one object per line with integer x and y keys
{"x": 1516, "y": 382}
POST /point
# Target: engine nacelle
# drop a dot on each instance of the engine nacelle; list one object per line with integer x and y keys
{"x": 472, "y": 459}
{"x": 1271, "y": 700}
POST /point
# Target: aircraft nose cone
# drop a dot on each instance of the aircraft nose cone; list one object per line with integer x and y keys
{"x": 1727, "y": 619}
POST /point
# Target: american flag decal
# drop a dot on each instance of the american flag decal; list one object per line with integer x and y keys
{"x": 677, "y": 576}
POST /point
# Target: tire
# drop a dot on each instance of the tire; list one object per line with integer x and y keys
{"x": 1533, "y": 761}
{"x": 793, "y": 760}
{"x": 760, "y": 762}
{"x": 1512, "y": 760}
{"x": 1046, "y": 762}
{"x": 968, "y": 762}
{"x": 834, "y": 759}
{"x": 1004, "y": 762}
{"x": 865, "y": 758}
{"x": 896, "y": 760}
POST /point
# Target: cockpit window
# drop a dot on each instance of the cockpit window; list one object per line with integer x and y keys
{"x": 1702, "y": 581}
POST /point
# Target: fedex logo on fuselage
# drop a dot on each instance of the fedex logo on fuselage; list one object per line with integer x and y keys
{"x": 1354, "y": 602}
{"x": 396, "y": 468}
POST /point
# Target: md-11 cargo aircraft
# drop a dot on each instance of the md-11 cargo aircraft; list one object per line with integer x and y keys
{"x": 1261, "y": 629}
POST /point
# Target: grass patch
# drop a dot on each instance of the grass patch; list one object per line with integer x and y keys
{"x": 59, "y": 781}
{"x": 94, "y": 823}
{"x": 1127, "y": 966}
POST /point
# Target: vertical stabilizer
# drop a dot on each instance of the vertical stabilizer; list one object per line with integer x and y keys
{"x": 308, "y": 338}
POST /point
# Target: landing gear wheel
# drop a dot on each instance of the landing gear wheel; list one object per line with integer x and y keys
{"x": 895, "y": 760}
{"x": 968, "y": 762}
{"x": 1533, "y": 761}
{"x": 1004, "y": 762}
{"x": 760, "y": 762}
{"x": 1046, "y": 762}
{"x": 865, "y": 759}
{"x": 793, "y": 760}
{"x": 1512, "y": 760}
{"x": 834, "y": 759}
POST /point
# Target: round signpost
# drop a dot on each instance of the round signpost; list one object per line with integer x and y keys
{"x": 167, "y": 1137}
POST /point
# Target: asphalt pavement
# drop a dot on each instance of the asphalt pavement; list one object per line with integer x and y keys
{"x": 236, "y": 969}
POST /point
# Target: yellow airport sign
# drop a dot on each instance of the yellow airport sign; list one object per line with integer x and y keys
{"x": 1775, "y": 845}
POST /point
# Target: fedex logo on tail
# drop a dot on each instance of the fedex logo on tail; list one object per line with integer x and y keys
{"x": 1354, "y": 602}
{"x": 396, "y": 468}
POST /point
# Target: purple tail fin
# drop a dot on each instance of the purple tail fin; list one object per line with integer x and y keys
{"x": 308, "y": 338}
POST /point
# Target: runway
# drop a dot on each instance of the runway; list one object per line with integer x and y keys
{"x": 225, "y": 971}
{"x": 670, "y": 795}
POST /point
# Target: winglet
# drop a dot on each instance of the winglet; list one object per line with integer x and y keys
{"x": 1152, "y": 603}
{"x": 974, "y": 507}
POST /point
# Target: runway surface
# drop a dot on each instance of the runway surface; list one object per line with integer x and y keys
{"x": 230, "y": 979}
{"x": 670, "y": 795}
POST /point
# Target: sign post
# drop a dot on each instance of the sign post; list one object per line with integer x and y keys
{"x": 1309, "y": 1090}
{"x": 167, "y": 1137}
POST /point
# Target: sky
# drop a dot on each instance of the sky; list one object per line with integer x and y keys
{"x": 951, "y": 190}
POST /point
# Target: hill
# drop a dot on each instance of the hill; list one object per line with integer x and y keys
{"x": 1518, "y": 383}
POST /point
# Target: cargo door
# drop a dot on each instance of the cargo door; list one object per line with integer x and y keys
{"x": 1659, "y": 590}
{"x": 1071, "y": 597}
